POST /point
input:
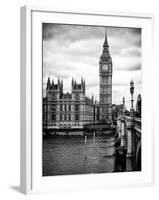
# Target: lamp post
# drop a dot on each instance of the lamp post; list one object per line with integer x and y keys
{"x": 131, "y": 137}
{"x": 132, "y": 100}
{"x": 85, "y": 141}
{"x": 124, "y": 105}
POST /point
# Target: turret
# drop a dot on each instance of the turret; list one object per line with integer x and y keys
{"x": 92, "y": 98}
{"x": 72, "y": 82}
{"x": 124, "y": 107}
{"x": 53, "y": 86}
{"x": 48, "y": 83}
{"x": 61, "y": 86}
{"x": 84, "y": 86}
{"x": 58, "y": 81}
{"x": 76, "y": 86}
{"x": 123, "y": 102}
{"x": 82, "y": 82}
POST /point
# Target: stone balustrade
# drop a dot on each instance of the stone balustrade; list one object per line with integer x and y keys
{"x": 129, "y": 133}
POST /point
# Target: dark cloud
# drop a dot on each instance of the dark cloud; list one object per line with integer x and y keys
{"x": 79, "y": 32}
{"x": 75, "y": 32}
{"x": 131, "y": 51}
{"x": 130, "y": 35}
{"x": 134, "y": 67}
{"x": 129, "y": 67}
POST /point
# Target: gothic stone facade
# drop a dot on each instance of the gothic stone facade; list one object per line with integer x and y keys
{"x": 68, "y": 110}
{"x": 75, "y": 109}
{"x": 105, "y": 81}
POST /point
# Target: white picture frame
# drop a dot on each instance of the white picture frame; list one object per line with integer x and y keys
{"x": 31, "y": 101}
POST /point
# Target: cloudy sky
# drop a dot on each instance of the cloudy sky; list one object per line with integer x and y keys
{"x": 74, "y": 51}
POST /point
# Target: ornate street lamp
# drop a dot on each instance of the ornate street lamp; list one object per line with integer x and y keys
{"x": 132, "y": 92}
{"x": 123, "y": 105}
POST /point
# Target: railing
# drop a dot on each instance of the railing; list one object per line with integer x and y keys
{"x": 129, "y": 134}
{"x": 138, "y": 126}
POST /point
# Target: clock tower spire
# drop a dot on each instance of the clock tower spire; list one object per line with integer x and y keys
{"x": 106, "y": 42}
{"x": 105, "y": 80}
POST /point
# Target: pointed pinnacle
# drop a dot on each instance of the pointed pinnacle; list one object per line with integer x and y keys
{"x": 105, "y": 41}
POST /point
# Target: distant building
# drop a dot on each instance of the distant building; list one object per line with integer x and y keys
{"x": 116, "y": 111}
{"x": 138, "y": 107}
{"x": 68, "y": 110}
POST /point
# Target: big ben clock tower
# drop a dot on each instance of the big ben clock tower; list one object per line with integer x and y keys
{"x": 105, "y": 82}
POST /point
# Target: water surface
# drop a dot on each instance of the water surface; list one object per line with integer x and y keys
{"x": 65, "y": 155}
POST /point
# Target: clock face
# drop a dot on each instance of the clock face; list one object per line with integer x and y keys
{"x": 105, "y": 67}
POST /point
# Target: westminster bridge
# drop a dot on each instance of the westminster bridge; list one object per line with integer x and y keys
{"x": 128, "y": 137}
{"x": 128, "y": 144}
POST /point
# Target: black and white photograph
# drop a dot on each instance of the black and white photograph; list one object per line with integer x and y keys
{"x": 91, "y": 99}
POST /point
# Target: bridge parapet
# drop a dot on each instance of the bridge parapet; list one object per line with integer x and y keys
{"x": 138, "y": 126}
{"x": 119, "y": 127}
{"x": 129, "y": 133}
{"x": 128, "y": 142}
{"x": 123, "y": 131}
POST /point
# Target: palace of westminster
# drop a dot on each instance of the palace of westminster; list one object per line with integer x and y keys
{"x": 75, "y": 109}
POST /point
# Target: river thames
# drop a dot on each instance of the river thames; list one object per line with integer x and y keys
{"x": 66, "y": 155}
